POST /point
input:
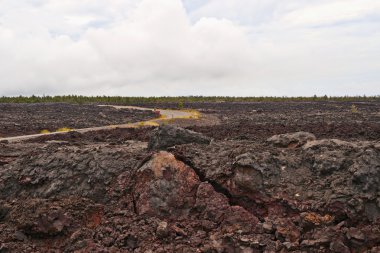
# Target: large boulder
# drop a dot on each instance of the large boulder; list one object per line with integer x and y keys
{"x": 168, "y": 189}
{"x": 291, "y": 140}
{"x": 165, "y": 187}
{"x": 167, "y": 136}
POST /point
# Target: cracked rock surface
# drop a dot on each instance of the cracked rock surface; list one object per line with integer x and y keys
{"x": 167, "y": 136}
{"x": 101, "y": 192}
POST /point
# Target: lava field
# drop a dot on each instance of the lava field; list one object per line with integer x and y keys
{"x": 245, "y": 178}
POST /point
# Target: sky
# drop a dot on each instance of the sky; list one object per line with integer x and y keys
{"x": 190, "y": 47}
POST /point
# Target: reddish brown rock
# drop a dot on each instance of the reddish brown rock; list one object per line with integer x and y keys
{"x": 356, "y": 234}
{"x": 214, "y": 206}
{"x": 165, "y": 187}
{"x": 287, "y": 231}
{"x": 162, "y": 229}
{"x": 339, "y": 247}
{"x": 37, "y": 218}
{"x": 322, "y": 197}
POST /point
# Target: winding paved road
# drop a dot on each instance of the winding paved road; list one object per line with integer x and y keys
{"x": 164, "y": 115}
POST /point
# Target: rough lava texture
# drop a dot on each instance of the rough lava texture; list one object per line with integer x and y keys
{"x": 291, "y": 140}
{"x": 167, "y": 136}
{"x": 260, "y": 121}
{"x": 21, "y": 119}
{"x": 309, "y": 197}
{"x": 107, "y": 192}
{"x": 165, "y": 187}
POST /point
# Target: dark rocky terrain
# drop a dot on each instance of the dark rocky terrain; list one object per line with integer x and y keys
{"x": 21, "y": 119}
{"x": 259, "y": 186}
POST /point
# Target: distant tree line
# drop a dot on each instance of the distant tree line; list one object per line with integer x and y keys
{"x": 184, "y": 99}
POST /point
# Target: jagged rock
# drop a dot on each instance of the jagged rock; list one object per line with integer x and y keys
{"x": 291, "y": 246}
{"x": 323, "y": 195}
{"x": 251, "y": 173}
{"x": 131, "y": 242}
{"x": 68, "y": 171}
{"x": 268, "y": 227}
{"x": 314, "y": 243}
{"x": 333, "y": 143}
{"x": 178, "y": 231}
{"x": 248, "y": 173}
{"x": 162, "y": 229}
{"x": 366, "y": 171}
{"x": 165, "y": 186}
{"x": 374, "y": 249}
{"x": 38, "y": 219}
{"x": 42, "y": 218}
{"x": 3, "y": 211}
{"x": 287, "y": 231}
{"x": 354, "y": 233}
{"x": 372, "y": 210}
{"x": 212, "y": 205}
{"x": 215, "y": 207}
{"x": 167, "y": 136}
{"x": 339, "y": 247}
{"x": 291, "y": 140}
{"x": 20, "y": 236}
{"x": 328, "y": 162}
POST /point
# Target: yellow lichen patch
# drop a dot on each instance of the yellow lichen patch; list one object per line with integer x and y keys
{"x": 193, "y": 114}
{"x": 128, "y": 125}
{"x": 196, "y": 114}
{"x": 64, "y": 129}
{"x": 151, "y": 123}
{"x": 137, "y": 124}
{"x": 317, "y": 219}
{"x": 354, "y": 109}
{"x": 162, "y": 116}
{"x": 45, "y": 131}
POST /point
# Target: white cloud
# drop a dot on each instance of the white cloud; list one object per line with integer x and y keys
{"x": 333, "y": 12}
{"x": 152, "y": 47}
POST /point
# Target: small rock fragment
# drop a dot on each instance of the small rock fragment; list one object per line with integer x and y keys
{"x": 339, "y": 247}
{"x": 268, "y": 227}
{"x": 178, "y": 230}
{"x": 291, "y": 140}
{"x": 354, "y": 233}
{"x": 162, "y": 229}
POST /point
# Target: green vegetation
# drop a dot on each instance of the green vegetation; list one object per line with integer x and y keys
{"x": 179, "y": 100}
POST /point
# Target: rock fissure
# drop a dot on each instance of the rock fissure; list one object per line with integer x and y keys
{"x": 247, "y": 204}
{"x": 105, "y": 191}
{"x": 217, "y": 187}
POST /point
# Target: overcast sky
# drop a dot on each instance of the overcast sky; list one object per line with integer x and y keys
{"x": 190, "y": 47}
